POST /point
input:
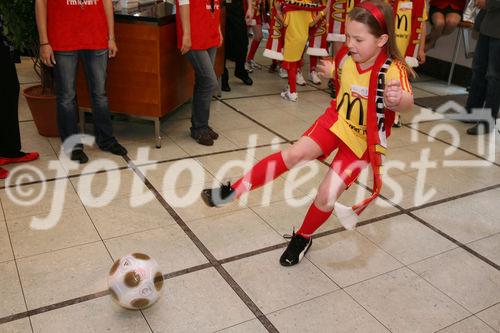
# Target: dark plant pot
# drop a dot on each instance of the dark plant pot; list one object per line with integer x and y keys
{"x": 43, "y": 110}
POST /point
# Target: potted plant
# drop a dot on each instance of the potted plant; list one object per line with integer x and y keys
{"x": 20, "y": 29}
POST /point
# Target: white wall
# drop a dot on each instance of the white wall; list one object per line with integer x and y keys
{"x": 446, "y": 45}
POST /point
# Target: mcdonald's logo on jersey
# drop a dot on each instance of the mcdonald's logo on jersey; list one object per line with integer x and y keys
{"x": 399, "y": 21}
{"x": 350, "y": 106}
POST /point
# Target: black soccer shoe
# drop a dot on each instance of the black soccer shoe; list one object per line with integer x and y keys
{"x": 219, "y": 196}
{"x": 295, "y": 250}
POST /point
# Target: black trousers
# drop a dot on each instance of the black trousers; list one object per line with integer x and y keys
{"x": 10, "y": 140}
{"x": 235, "y": 38}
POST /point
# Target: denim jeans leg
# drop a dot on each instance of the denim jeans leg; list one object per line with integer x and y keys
{"x": 96, "y": 63}
{"x": 65, "y": 77}
{"x": 492, "y": 100}
{"x": 477, "y": 93}
{"x": 204, "y": 86}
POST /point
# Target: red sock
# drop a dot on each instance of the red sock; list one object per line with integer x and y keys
{"x": 3, "y": 173}
{"x": 313, "y": 220}
{"x": 292, "y": 76}
{"x": 313, "y": 61}
{"x": 253, "y": 48}
{"x": 261, "y": 173}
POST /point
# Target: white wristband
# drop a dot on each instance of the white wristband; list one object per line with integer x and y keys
{"x": 183, "y": 2}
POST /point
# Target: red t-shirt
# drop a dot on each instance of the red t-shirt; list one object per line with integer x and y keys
{"x": 205, "y": 22}
{"x": 454, "y": 4}
{"x": 77, "y": 25}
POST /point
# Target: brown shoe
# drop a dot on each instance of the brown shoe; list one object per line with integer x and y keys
{"x": 203, "y": 138}
{"x": 213, "y": 134}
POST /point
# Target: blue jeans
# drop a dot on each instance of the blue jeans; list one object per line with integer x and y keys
{"x": 205, "y": 83}
{"x": 95, "y": 64}
{"x": 485, "y": 82}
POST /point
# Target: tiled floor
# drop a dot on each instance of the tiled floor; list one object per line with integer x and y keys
{"x": 425, "y": 258}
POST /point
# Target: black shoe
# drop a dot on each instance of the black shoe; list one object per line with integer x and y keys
{"x": 273, "y": 68}
{"x": 213, "y": 134}
{"x": 79, "y": 156}
{"x": 245, "y": 78}
{"x": 225, "y": 86}
{"x": 331, "y": 87}
{"x": 479, "y": 128}
{"x": 296, "y": 250}
{"x": 397, "y": 124}
{"x": 214, "y": 197}
{"x": 203, "y": 138}
{"x": 116, "y": 149}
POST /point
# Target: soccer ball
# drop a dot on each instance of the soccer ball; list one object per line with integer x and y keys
{"x": 135, "y": 281}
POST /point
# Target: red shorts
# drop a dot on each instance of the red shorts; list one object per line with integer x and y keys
{"x": 345, "y": 163}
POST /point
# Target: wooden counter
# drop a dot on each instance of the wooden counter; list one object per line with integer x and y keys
{"x": 148, "y": 78}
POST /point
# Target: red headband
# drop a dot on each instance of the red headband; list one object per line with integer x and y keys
{"x": 376, "y": 12}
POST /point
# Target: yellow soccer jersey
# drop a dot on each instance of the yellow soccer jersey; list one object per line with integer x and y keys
{"x": 352, "y": 100}
{"x": 402, "y": 24}
{"x": 297, "y": 33}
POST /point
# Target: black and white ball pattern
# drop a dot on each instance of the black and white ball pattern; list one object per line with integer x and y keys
{"x": 135, "y": 281}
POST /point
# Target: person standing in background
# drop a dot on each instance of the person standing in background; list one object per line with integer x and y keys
{"x": 10, "y": 139}
{"x": 198, "y": 36}
{"x": 236, "y": 46}
{"x": 485, "y": 82}
{"x": 68, "y": 31}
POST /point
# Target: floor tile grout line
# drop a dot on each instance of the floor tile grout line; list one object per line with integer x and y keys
{"x": 16, "y": 264}
{"x": 222, "y": 261}
{"x": 93, "y": 224}
{"x": 51, "y": 307}
{"x": 146, "y": 320}
{"x": 459, "y": 321}
{"x": 256, "y": 122}
{"x": 90, "y": 297}
{"x": 443, "y": 234}
{"x": 481, "y": 319}
{"x": 349, "y": 295}
{"x": 452, "y": 198}
{"x": 361, "y": 223}
{"x": 455, "y": 241}
{"x": 141, "y": 165}
{"x": 208, "y": 255}
{"x": 449, "y": 144}
{"x": 438, "y": 231}
{"x": 407, "y": 266}
{"x": 439, "y": 289}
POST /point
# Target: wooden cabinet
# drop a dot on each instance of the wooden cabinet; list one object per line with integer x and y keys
{"x": 149, "y": 77}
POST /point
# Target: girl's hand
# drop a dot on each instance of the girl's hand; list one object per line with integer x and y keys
{"x": 112, "y": 48}
{"x": 47, "y": 55}
{"x": 186, "y": 44}
{"x": 421, "y": 55}
{"x": 249, "y": 15}
{"x": 393, "y": 94}
{"x": 326, "y": 68}
{"x": 221, "y": 36}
